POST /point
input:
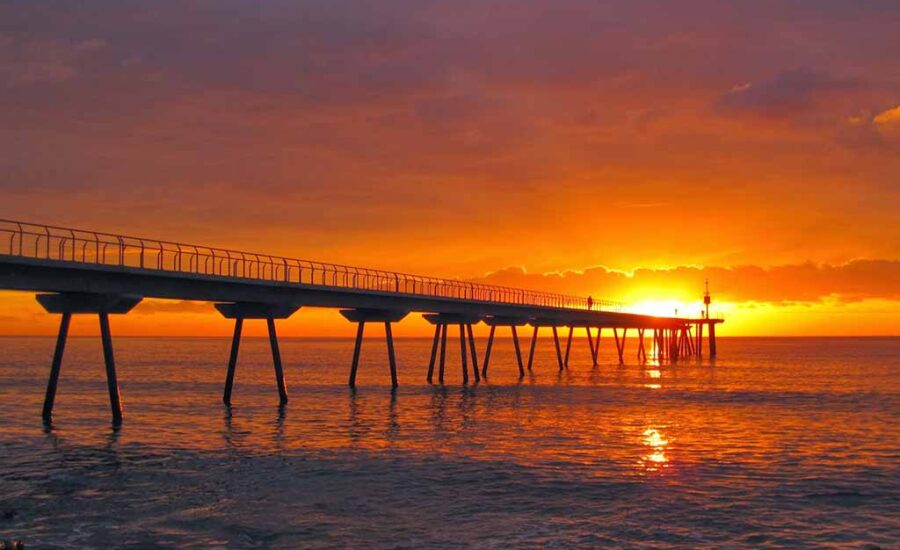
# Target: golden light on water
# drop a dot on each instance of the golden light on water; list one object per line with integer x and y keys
{"x": 656, "y": 458}
{"x": 653, "y": 374}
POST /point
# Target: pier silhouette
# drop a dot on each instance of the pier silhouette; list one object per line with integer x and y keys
{"x": 88, "y": 272}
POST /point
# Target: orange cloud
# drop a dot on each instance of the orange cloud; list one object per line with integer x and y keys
{"x": 889, "y": 116}
{"x": 808, "y": 282}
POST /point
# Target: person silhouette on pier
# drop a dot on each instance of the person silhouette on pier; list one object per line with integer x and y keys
{"x": 590, "y": 303}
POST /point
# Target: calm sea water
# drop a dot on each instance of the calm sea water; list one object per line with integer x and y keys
{"x": 780, "y": 442}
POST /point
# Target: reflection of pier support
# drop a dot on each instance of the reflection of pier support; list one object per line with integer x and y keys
{"x": 253, "y": 310}
{"x": 466, "y": 344}
{"x": 512, "y": 323}
{"x": 102, "y": 305}
{"x": 361, "y": 317}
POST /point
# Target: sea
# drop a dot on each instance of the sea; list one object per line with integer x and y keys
{"x": 778, "y": 442}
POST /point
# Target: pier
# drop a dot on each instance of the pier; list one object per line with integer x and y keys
{"x": 78, "y": 272}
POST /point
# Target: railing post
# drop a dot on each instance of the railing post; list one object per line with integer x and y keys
{"x": 121, "y": 251}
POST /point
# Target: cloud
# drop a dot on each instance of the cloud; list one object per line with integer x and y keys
{"x": 797, "y": 283}
{"x": 27, "y": 62}
{"x": 872, "y": 133}
{"x": 787, "y": 94}
{"x": 888, "y": 117}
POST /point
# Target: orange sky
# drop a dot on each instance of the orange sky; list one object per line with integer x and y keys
{"x": 632, "y": 147}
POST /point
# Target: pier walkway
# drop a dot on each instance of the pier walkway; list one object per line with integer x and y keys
{"x": 86, "y": 272}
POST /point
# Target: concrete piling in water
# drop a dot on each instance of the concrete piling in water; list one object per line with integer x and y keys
{"x": 434, "y": 348}
{"x": 466, "y": 342}
{"x": 473, "y": 352}
{"x": 594, "y": 344}
{"x": 101, "y": 305}
{"x": 462, "y": 349}
{"x": 534, "y": 337}
{"x": 518, "y": 352}
{"x": 112, "y": 382}
{"x": 487, "y": 351}
{"x": 568, "y": 345}
{"x": 619, "y": 345}
{"x": 53, "y": 380}
{"x": 239, "y": 311}
{"x": 443, "y": 352}
{"x": 276, "y": 361}
{"x": 361, "y": 316}
{"x": 495, "y": 321}
{"x": 641, "y": 353}
{"x": 559, "y": 357}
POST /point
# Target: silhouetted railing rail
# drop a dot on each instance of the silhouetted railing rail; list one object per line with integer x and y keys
{"x": 46, "y": 242}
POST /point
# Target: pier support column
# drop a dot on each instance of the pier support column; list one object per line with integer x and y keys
{"x": 232, "y": 360}
{"x": 712, "y": 340}
{"x": 699, "y": 339}
{"x": 50, "y": 396}
{"x": 553, "y": 324}
{"x": 568, "y": 346}
{"x": 434, "y": 348}
{"x": 462, "y": 349}
{"x": 620, "y": 345}
{"x": 642, "y": 353}
{"x": 512, "y": 323}
{"x": 473, "y": 352}
{"x": 534, "y": 338}
{"x": 487, "y": 352}
{"x": 276, "y": 361}
{"x": 102, "y": 305}
{"x": 674, "y": 352}
{"x": 594, "y": 344}
{"x": 518, "y": 352}
{"x": 443, "y": 352}
{"x": 466, "y": 343}
{"x": 239, "y": 311}
{"x": 112, "y": 382}
{"x": 389, "y": 336}
{"x": 559, "y": 357}
{"x": 357, "y": 348}
{"x": 361, "y": 317}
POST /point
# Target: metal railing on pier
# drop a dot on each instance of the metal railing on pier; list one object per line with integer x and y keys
{"x": 46, "y": 242}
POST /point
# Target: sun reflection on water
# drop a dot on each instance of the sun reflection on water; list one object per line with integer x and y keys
{"x": 656, "y": 459}
{"x": 655, "y": 375}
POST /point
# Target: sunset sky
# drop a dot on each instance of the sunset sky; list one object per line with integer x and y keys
{"x": 627, "y": 150}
